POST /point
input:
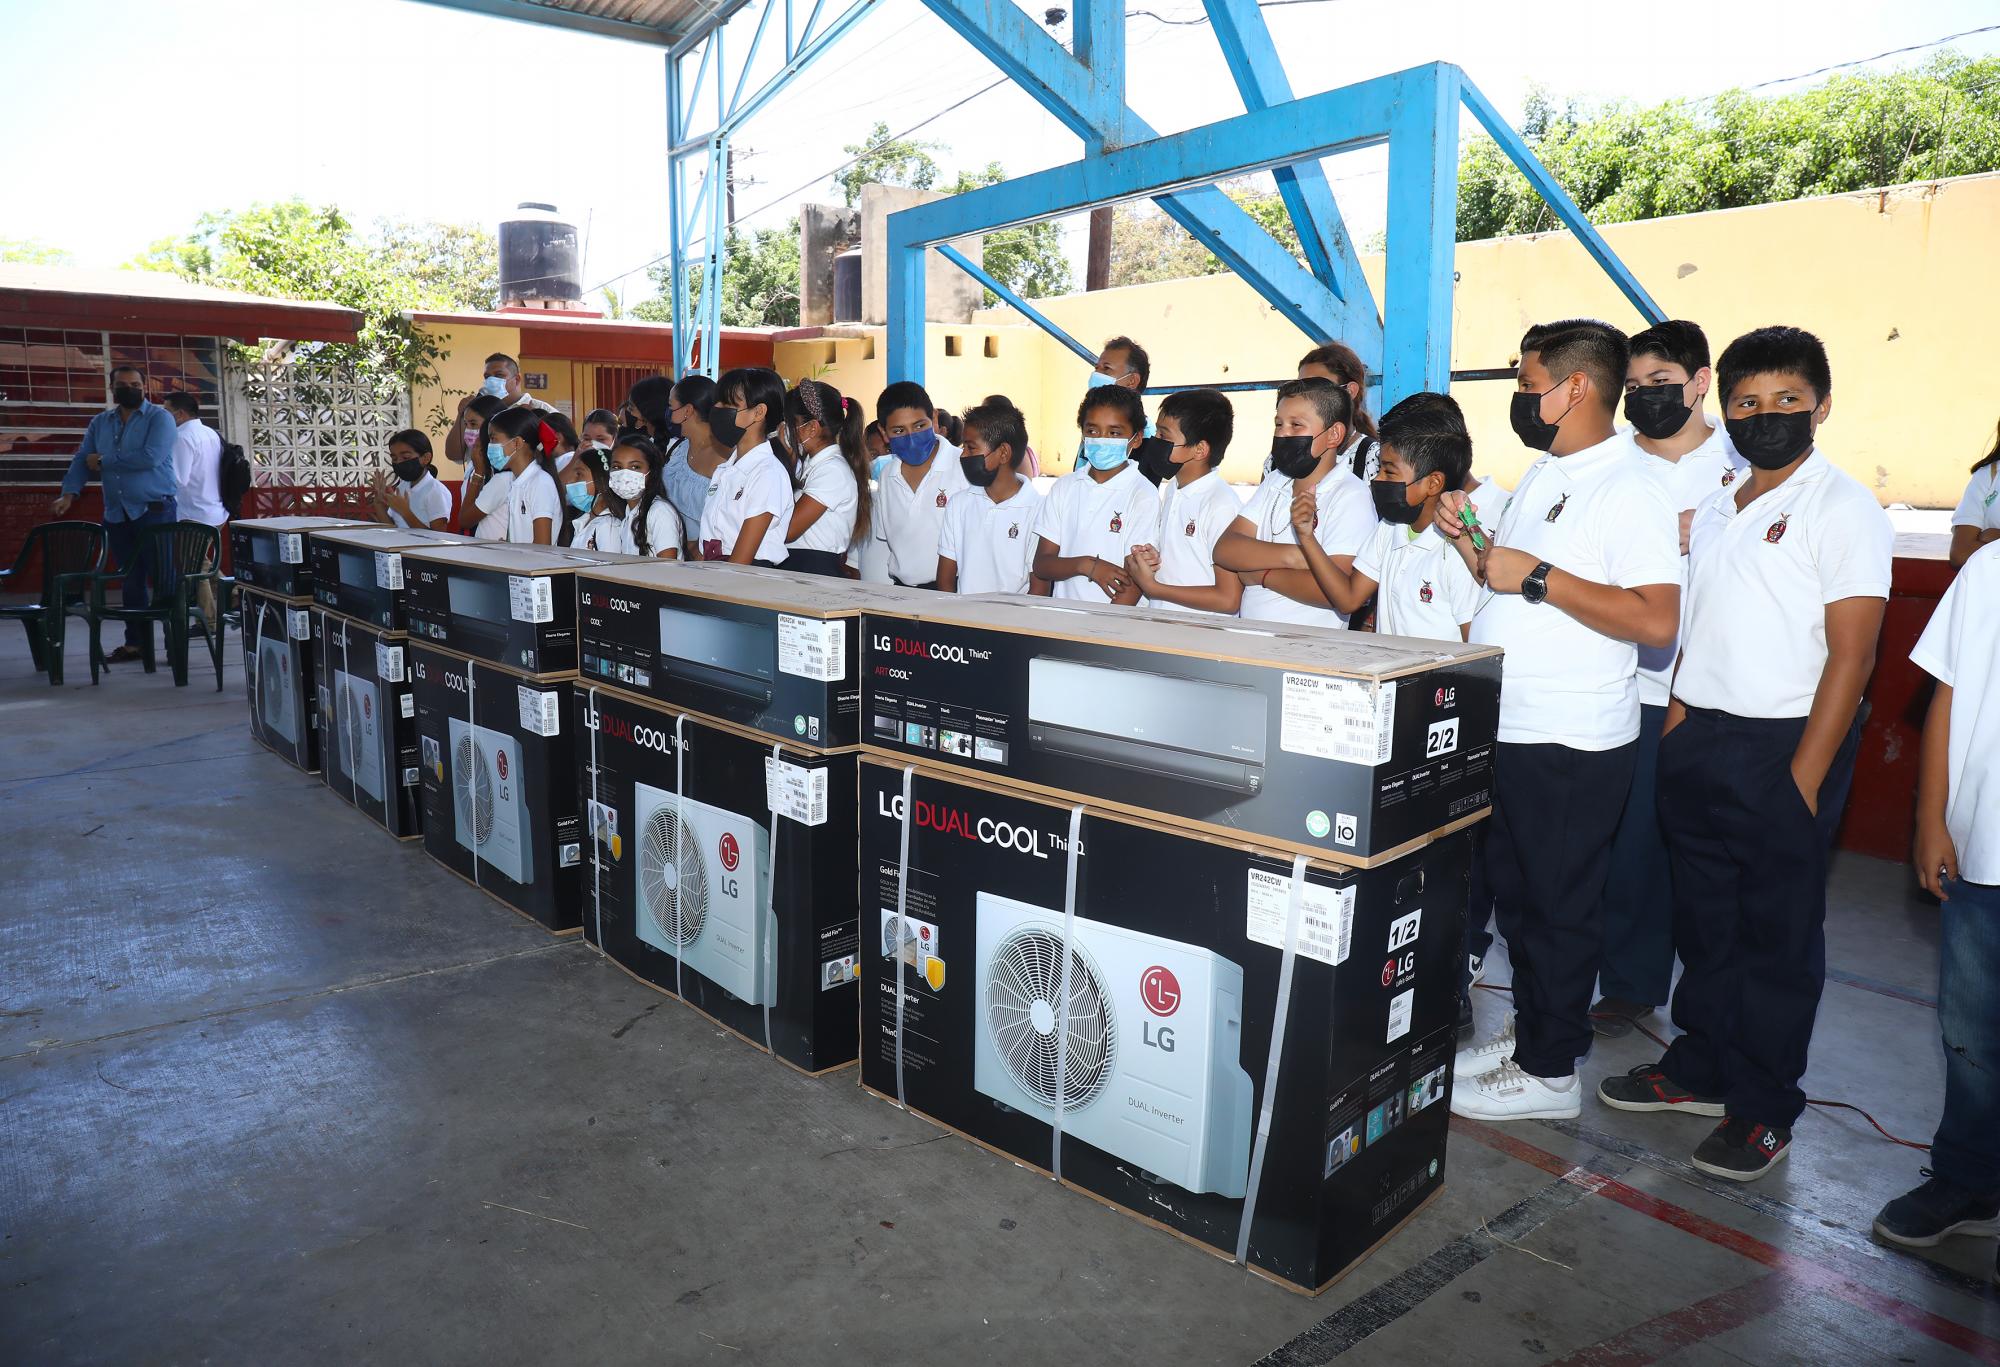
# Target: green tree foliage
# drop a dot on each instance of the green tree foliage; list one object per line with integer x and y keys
{"x": 882, "y": 160}
{"x": 31, "y": 251}
{"x": 1623, "y": 162}
{"x": 1146, "y": 245}
{"x": 760, "y": 281}
{"x": 296, "y": 250}
{"x": 1028, "y": 260}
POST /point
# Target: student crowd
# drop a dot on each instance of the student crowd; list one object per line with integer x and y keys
{"x": 1689, "y": 611}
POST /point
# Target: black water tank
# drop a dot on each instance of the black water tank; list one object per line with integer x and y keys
{"x": 538, "y": 257}
{"x": 847, "y": 286}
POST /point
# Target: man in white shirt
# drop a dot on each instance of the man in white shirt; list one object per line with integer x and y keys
{"x": 1958, "y": 862}
{"x": 1196, "y": 507}
{"x": 1583, "y": 567}
{"x": 502, "y": 380}
{"x": 1688, "y": 457}
{"x": 1090, "y": 523}
{"x": 197, "y": 462}
{"x": 1788, "y": 574}
{"x": 916, "y": 486}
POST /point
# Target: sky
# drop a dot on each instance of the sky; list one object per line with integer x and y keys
{"x": 404, "y": 109}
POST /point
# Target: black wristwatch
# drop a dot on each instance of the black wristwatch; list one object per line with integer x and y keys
{"x": 1535, "y": 587}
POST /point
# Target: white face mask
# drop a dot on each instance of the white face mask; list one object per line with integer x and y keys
{"x": 627, "y": 484}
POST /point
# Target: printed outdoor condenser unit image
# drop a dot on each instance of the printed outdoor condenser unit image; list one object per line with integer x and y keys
{"x": 1152, "y": 1071}
{"x": 733, "y": 658}
{"x": 277, "y": 705}
{"x": 1194, "y": 729}
{"x": 491, "y": 814}
{"x": 357, "y": 706}
{"x": 702, "y": 876}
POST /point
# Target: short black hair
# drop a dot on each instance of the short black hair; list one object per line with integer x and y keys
{"x": 1676, "y": 340}
{"x": 513, "y": 366}
{"x": 1135, "y": 356}
{"x": 603, "y": 417}
{"x": 183, "y": 402}
{"x": 128, "y": 368}
{"x": 1775, "y": 351}
{"x": 904, "y": 394}
{"x": 999, "y": 423}
{"x": 559, "y": 423}
{"x": 485, "y": 405}
{"x": 1331, "y": 401}
{"x": 1428, "y": 431}
{"x": 1590, "y": 345}
{"x": 1203, "y": 415}
{"x": 1127, "y": 401}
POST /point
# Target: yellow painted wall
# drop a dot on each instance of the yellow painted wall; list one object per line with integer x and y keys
{"x": 1899, "y": 283}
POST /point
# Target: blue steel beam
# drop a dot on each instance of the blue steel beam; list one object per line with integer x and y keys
{"x": 1015, "y": 301}
{"x": 1422, "y": 237}
{"x": 1548, "y": 188}
{"x": 1028, "y": 56}
{"x": 810, "y": 48}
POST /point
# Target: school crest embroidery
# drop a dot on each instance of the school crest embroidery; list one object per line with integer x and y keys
{"x": 1557, "y": 511}
{"x": 1014, "y": 531}
{"x": 739, "y": 495}
{"x": 941, "y": 500}
{"x": 1117, "y": 522}
{"x": 1424, "y": 593}
{"x": 1776, "y": 531}
{"x": 1190, "y": 528}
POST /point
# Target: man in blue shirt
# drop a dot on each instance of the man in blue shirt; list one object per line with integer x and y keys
{"x": 130, "y": 446}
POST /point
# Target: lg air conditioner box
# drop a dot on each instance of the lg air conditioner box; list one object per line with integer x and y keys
{"x": 490, "y": 811}
{"x": 277, "y": 690}
{"x": 480, "y": 612}
{"x": 1151, "y": 1072}
{"x": 720, "y": 654}
{"x": 702, "y": 878}
{"x": 357, "y": 719}
{"x": 1194, "y": 729}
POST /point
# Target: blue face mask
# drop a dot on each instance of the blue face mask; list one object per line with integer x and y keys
{"x": 914, "y": 448}
{"x": 881, "y": 463}
{"x": 496, "y": 454}
{"x": 1098, "y": 379}
{"x": 495, "y": 386}
{"x": 1106, "y": 453}
{"x": 579, "y": 496}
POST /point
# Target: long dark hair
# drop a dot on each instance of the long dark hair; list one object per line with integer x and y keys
{"x": 653, "y": 490}
{"x": 817, "y": 401}
{"x": 527, "y": 424}
{"x": 697, "y": 391}
{"x": 483, "y": 407}
{"x": 1992, "y": 457}
{"x": 593, "y": 461}
{"x": 1343, "y": 361}
{"x": 760, "y": 385}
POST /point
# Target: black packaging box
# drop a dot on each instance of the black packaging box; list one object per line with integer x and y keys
{"x": 1341, "y": 745}
{"x": 768, "y": 650}
{"x": 358, "y": 572}
{"x": 280, "y": 675}
{"x": 497, "y": 751}
{"x": 513, "y": 606}
{"x": 1175, "y": 955}
{"x": 369, "y": 757}
{"x": 275, "y": 553}
{"x": 734, "y": 890}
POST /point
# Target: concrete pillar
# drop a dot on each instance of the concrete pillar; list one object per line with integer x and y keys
{"x": 950, "y": 295}
{"x": 825, "y": 231}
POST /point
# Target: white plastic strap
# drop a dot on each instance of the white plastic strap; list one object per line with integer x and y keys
{"x": 902, "y": 928}
{"x": 353, "y": 788}
{"x": 471, "y": 727}
{"x": 596, "y": 800}
{"x": 680, "y": 831}
{"x": 256, "y": 620}
{"x": 1293, "y": 905}
{"x": 770, "y": 904}
{"x": 1063, "y": 1007}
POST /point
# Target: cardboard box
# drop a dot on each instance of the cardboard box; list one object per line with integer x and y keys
{"x": 275, "y": 554}
{"x": 369, "y": 721}
{"x": 1175, "y": 950}
{"x": 509, "y": 605}
{"x": 1344, "y": 745}
{"x": 769, "y": 650}
{"x": 358, "y": 572}
{"x": 497, "y": 751}
{"x": 720, "y": 868}
{"x": 280, "y": 675}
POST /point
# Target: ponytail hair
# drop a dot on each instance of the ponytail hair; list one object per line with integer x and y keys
{"x": 817, "y": 401}
{"x": 1344, "y": 362}
{"x": 1992, "y": 457}
{"x": 522, "y": 423}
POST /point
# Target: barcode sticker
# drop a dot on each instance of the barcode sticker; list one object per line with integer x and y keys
{"x": 291, "y": 548}
{"x": 1337, "y": 719}
{"x": 1326, "y": 916}
{"x": 408, "y": 702}
{"x": 388, "y": 663}
{"x": 388, "y": 570}
{"x": 541, "y": 713}
{"x": 530, "y": 598}
{"x": 299, "y": 623}
{"x": 812, "y": 649}
{"x": 791, "y": 790}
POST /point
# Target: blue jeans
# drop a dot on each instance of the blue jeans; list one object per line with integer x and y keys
{"x": 141, "y": 578}
{"x": 1966, "y": 1149}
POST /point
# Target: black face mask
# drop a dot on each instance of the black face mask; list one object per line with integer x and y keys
{"x": 1156, "y": 459}
{"x": 1293, "y": 457}
{"x": 1657, "y": 411}
{"x": 976, "y": 473}
{"x": 723, "y": 424}
{"x": 1771, "y": 441}
{"x": 409, "y": 471}
{"x": 670, "y": 432}
{"x": 1525, "y": 413}
{"x": 127, "y": 395}
{"x": 1392, "y": 501}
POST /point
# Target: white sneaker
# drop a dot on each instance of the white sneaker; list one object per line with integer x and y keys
{"x": 1476, "y": 966}
{"x": 1481, "y": 1058}
{"x": 1507, "y": 1093}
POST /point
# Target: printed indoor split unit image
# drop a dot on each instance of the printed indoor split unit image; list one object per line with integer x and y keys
{"x": 277, "y": 707}
{"x": 1151, "y": 1070}
{"x": 490, "y": 811}
{"x": 1195, "y": 729}
{"x": 720, "y": 654}
{"x": 702, "y": 878}
{"x": 357, "y": 720}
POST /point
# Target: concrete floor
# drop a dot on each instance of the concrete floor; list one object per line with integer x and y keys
{"x": 276, "y": 1089}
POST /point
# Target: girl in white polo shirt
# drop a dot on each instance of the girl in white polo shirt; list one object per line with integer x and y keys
{"x": 534, "y": 504}
{"x": 648, "y": 522}
{"x": 1091, "y": 521}
{"x": 1788, "y": 574}
{"x": 1976, "y": 520}
{"x": 1196, "y": 508}
{"x": 832, "y": 506}
{"x": 749, "y": 506}
{"x": 988, "y": 543}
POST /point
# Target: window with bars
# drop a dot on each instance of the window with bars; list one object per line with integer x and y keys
{"x": 53, "y": 381}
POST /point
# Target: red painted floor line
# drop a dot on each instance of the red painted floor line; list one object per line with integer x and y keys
{"x": 1646, "y": 1343}
{"x": 1797, "y": 1268}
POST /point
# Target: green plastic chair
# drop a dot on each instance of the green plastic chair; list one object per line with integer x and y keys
{"x": 72, "y": 554}
{"x": 183, "y": 555}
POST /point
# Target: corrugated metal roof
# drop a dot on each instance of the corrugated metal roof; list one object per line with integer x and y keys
{"x": 76, "y": 296}
{"x": 659, "y": 22}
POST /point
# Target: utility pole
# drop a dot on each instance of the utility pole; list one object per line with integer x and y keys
{"x": 1097, "y": 267}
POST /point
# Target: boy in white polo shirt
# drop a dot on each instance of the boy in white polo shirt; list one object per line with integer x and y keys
{"x": 1958, "y": 862}
{"x": 914, "y": 489}
{"x": 1582, "y": 568}
{"x": 1091, "y": 522}
{"x": 1788, "y": 573}
{"x": 988, "y": 542}
{"x": 1196, "y": 507}
{"x": 1426, "y": 588}
{"x": 1689, "y": 457}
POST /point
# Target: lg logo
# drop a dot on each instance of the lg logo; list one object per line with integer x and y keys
{"x": 1160, "y": 990}
{"x": 728, "y": 850}
{"x": 500, "y": 762}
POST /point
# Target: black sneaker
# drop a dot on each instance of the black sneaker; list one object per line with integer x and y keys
{"x": 1613, "y": 1017}
{"x": 1929, "y": 1214}
{"x": 1742, "y": 1150}
{"x": 1646, "y": 1088}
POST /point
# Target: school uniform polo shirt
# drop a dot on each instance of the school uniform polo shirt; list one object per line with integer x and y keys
{"x": 1684, "y": 483}
{"x": 1599, "y": 516}
{"x": 1346, "y": 521}
{"x": 829, "y": 481}
{"x": 491, "y": 501}
{"x": 1961, "y": 648}
{"x": 993, "y": 544}
{"x": 530, "y": 498}
{"x": 908, "y": 521}
{"x": 748, "y": 484}
{"x": 1084, "y": 517}
{"x": 1193, "y": 517}
{"x": 428, "y": 499}
{"x": 1980, "y": 505}
{"x": 663, "y": 530}
{"x": 1423, "y": 586}
{"x": 1753, "y": 628}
